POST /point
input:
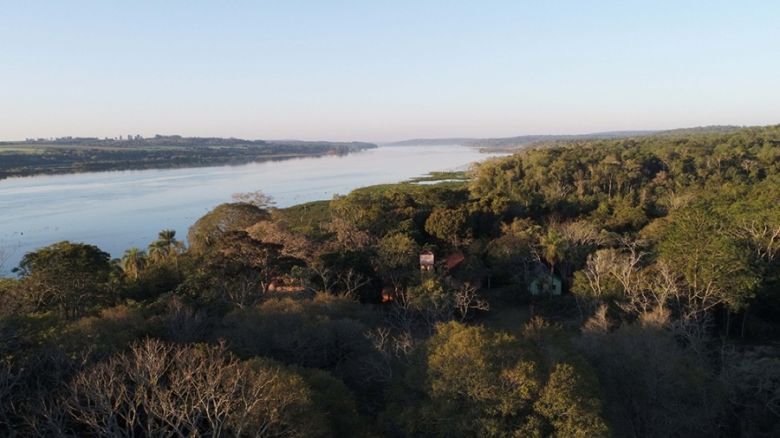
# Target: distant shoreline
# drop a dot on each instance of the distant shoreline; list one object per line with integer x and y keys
{"x": 31, "y": 158}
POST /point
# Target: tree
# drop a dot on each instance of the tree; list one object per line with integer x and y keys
{"x": 616, "y": 274}
{"x": 166, "y": 247}
{"x": 655, "y": 384}
{"x": 65, "y": 275}
{"x": 207, "y": 231}
{"x": 468, "y": 381}
{"x": 396, "y": 259}
{"x": 447, "y": 224}
{"x": 161, "y": 389}
{"x": 570, "y": 402}
{"x": 133, "y": 262}
{"x": 716, "y": 268}
{"x": 467, "y": 299}
{"x": 553, "y": 248}
{"x": 265, "y": 259}
{"x": 257, "y": 198}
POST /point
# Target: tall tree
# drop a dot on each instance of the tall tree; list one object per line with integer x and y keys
{"x": 67, "y": 276}
{"x": 133, "y": 262}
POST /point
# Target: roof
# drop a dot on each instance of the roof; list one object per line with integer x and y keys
{"x": 539, "y": 269}
{"x": 454, "y": 259}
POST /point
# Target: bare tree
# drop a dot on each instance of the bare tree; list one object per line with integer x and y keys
{"x": 764, "y": 238}
{"x": 257, "y": 198}
{"x": 351, "y": 281}
{"x": 466, "y": 299}
{"x": 348, "y": 236}
{"x": 616, "y": 273}
{"x": 159, "y": 389}
{"x": 182, "y": 322}
{"x": 10, "y": 380}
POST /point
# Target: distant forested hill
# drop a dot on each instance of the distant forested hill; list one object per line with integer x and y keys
{"x": 525, "y": 140}
{"x": 79, "y": 154}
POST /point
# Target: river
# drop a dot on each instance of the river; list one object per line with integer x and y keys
{"x": 121, "y": 209}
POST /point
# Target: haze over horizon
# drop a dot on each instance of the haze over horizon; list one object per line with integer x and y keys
{"x": 354, "y": 71}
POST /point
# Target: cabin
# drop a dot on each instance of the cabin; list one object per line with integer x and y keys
{"x": 426, "y": 260}
{"x": 543, "y": 283}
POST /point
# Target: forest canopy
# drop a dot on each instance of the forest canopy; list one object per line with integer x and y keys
{"x": 613, "y": 287}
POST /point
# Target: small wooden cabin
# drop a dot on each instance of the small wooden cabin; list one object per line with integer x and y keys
{"x": 427, "y": 260}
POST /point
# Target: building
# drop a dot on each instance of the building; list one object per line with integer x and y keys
{"x": 543, "y": 282}
{"x": 426, "y": 260}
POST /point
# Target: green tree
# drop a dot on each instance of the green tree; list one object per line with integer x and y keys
{"x": 717, "y": 268}
{"x": 240, "y": 257}
{"x": 468, "y": 381}
{"x": 553, "y": 248}
{"x": 396, "y": 259}
{"x": 570, "y": 402}
{"x": 67, "y": 276}
{"x": 166, "y": 247}
{"x": 209, "y": 229}
{"x": 447, "y": 224}
{"x": 133, "y": 262}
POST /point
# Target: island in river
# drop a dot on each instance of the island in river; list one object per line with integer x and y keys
{"x": 79, "y": 154}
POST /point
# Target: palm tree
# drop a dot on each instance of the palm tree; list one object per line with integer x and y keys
{"x": 166, "y": 247}
{"x": 133, "y": 262}
{"x": 554, "y": 249}
{"x": 168, "y": 239}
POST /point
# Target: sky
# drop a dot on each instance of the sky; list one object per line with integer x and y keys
{"x": 381, "y": 71}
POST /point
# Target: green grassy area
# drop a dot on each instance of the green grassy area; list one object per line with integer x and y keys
{"x": 20, "y": 150}
{"x": 412, "y": 186}
{"x": 440, "y": 176}
{"x": 304, "y": 218}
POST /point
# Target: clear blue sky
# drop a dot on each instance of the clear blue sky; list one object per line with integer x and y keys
{"x": 361, "y": 70}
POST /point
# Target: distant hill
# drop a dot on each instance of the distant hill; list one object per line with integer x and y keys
{"x": 525, "y": 140}
{"x": 432, "y": 142}
{"x": 712, "y": 129}
{"x": 177, "y": 141}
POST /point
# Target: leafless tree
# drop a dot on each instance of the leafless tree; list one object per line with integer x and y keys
{"x": 763, "y": 236}
{"x": 159, "y": 389}
{"x": 467, "y": 299}
{"x": 10, "y": 379}
{"x": 616, "y": 272}
{"x": 582, "y": 233}
{"x": 257, "y": 198}
{"x": 183, "y": 323}
{"x": 351, "y": 281}
{"x": 347, "y": 235}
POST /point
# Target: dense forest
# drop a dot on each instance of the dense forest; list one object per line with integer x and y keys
{"x": 620, "y": 287}
{"x": 74, "y": 154}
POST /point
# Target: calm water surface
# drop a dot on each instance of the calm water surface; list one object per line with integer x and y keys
{"x": 118, "y": 210}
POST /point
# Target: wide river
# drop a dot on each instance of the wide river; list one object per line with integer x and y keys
{"x": 121, "y": 209}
